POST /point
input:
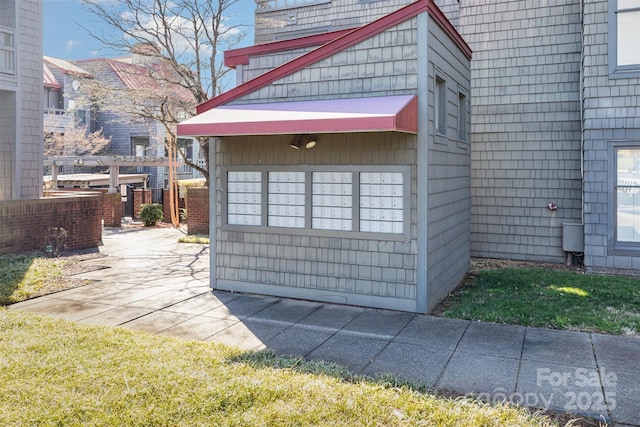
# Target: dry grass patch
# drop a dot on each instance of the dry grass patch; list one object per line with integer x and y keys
{"x": 61, "y": 373}
{"x": 28, "y": 275}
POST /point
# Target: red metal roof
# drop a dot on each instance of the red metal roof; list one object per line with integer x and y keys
{"x": 153, "y": 77}
{"x": 66, "y": 66}
{"x": 375, "y": 114}
{"x": 49, "y": 79}
{"x": 235, "y": 57}
{"x": 341, "y": 43}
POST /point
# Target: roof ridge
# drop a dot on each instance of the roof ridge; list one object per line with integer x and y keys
{"x": 343, "y": 42}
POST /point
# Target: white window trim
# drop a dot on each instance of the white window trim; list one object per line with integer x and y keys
{"x": 616, "y": 71}
{"x": 616, "y": 247}
{"x": 308, "y": 230}
{"x": 10, "y": 50}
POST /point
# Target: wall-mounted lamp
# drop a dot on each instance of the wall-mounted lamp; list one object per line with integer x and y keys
{"x": 306, "y": 141}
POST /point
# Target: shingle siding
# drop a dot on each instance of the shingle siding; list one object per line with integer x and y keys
{"x": 372, "y": 272}
{"x": 121, "y": 128}
{"x": 448, "y": 174}
{"x": 525, "y": 125}
{"x": 336, "y": 15}
{"x": 29, "y": 68}
{"x": 611, "y": 116}
{"x": 385, "y": 64}
{"x": 337, "y": 264}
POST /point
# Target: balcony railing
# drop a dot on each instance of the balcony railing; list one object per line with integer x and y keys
{"x": 267, "y": 5}
{"x": 57, "y": 120}
{"x": 7, "y": 51}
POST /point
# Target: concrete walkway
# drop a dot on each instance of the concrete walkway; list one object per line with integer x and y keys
{"x": 155, "y": 284}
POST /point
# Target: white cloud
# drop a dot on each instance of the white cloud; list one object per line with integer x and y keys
{"x": 70, "y": 45}
{"x": 182, "y": 33}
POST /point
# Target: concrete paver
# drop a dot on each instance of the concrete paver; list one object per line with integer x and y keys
{"x": 379, "y": 322}
{"x": 117, "y": 315}
{"x": 616, "y": 354}
{"x": 477, "y": 373}
{"x": 420, "y": 363}
{"x": 434, "y": 331}
{"x": 562, "y": 387}
{"x": 154, "y": 284}
{"x": 157, "y": 321}
{"x": 561, "y": 347}
{"x": 491, "y": 339}
{"x": 351, "y": 351}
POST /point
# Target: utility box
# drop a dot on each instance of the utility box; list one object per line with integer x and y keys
{"x": 572, "y": 237}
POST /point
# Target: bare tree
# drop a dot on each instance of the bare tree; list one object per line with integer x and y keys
{"x": 76, "y": 140}
{"x": 177, "y": 45}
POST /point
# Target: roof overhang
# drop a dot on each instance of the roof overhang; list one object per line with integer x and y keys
{"x": 375, "y": 114}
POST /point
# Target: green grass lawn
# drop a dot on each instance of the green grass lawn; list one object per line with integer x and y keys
{"x": 550, "y": 299}
{"x": 62, "y": 373}
{"x": 194, "y": 238}
{"x": 27, "y": 275}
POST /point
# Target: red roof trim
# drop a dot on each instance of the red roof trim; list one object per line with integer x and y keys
{"x": 382, "y": 114}
{"x": 241, "y": 56}
{"x": 341, "y": 43}
{"x": 440, "y": 18}
{"x": 49, "y": 79}
{"x": 350, "y": 39}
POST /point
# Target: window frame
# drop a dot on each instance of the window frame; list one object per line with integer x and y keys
{"x": 463, "y": 116}
{"x": 440, "y": 106}
{"x": 8, "y": 51}
{"x": 308, "y": 230}
{"x": 615, "y": 246}
{"x": 135, "y": 142}
{"x": 618, "y": 71}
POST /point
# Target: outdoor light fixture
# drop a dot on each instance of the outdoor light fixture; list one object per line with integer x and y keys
{"x": 308, "y": 141}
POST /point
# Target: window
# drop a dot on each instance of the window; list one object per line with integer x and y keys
{"x": 186, "y": 145}
{"x": 318, "y": 199}
{"x": 139, "y": 145}
{"x": 462, "y": 117}
{"x": 7, "y": 51}
{"x": 624, "y": 38}
{"x": 439, "y": 105}
{"x": 627, "y": 198}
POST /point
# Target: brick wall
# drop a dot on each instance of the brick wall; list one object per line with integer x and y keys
{"x": 112, "y": 209}
{"x": 24, "y": 223}
{"x": 140, "y": 196}
{"x": 197, "y": 202}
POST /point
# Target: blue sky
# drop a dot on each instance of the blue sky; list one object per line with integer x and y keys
{"x": 65, "y": 38}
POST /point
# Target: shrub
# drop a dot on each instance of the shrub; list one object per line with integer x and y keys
{"x": 151, "y": 213}
{"x": 55, "y": 241}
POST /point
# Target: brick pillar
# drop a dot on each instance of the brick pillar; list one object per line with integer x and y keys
{"x": 140, "y": 197}
{"x": 112, "y": 209}
{"x": 197, "y": 202}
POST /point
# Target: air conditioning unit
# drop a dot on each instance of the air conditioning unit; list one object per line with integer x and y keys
{"x": 572, "y": 237}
